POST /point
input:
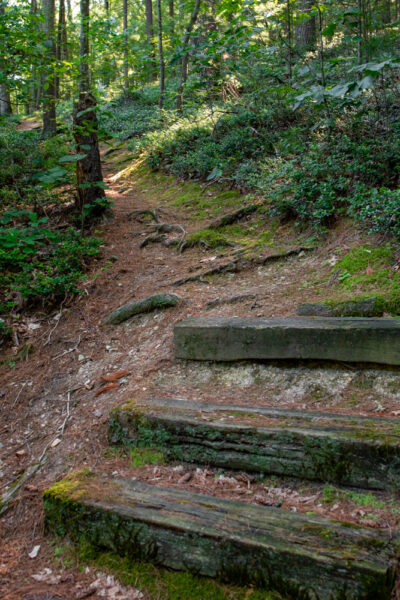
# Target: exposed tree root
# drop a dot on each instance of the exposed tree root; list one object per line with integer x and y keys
{"x": 238, "y": 264}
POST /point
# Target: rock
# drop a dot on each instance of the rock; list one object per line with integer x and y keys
{"x": 366, "y": 307}
{"x": 128, "y": 310}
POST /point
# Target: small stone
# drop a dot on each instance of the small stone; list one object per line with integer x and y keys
{"x": 34, "y": 552}
{"x": 55, "y": 443}
{"x": 81, "y": 358}
{"x": 97, "y": 413}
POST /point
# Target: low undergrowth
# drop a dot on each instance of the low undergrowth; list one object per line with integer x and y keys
{"x": 162, "y": 584}
{"x": 43, "y": 257}
{"x": 300, "y": 168}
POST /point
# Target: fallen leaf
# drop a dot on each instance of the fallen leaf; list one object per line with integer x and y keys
{"x": 114, "y": 376}
{"x": 186, "y": 477}
{"x": 107, "y": 388}
{"x": 369, "y": 270}
{"x": 34, "y": 552}
{"x": 46, "y": 576}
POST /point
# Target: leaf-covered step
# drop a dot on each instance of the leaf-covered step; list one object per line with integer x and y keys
{"x": 305, "y": 557}
{"x": 340, "y": 339}
{"x": 346, "y": 450}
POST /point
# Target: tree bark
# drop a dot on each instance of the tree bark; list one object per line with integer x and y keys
{"x": 61, "y": 49}
{"x": 160, "y": 54}
{"x": 125, "y": 27}
{"x": 5, "y": 102}
{"x": 49, "y": 99}
{"x": 306, "y": 30}
{"x": 185, "y": 59}
{"x": 150, "y": 37}
{"x": 171, "y": 10}
{"x": 91, "y": 201}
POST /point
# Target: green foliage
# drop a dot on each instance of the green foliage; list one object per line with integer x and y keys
{"x": 37, "y": 262}
{"x": 146, "y": 456}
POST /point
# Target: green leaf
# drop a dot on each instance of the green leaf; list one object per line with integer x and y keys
{"x": 330, "y": 30}
{"x": 71, "y": 158}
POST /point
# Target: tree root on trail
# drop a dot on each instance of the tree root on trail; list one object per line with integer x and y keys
{"x": 139, "y": 213}
{"x": 231, "y": 300}
{"x": 238, "y": 264}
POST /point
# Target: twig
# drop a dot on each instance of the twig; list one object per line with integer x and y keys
{"x": 61, "y": 429}
{"x": 68, "y": 351}
{"x": 19, "y": 393}
{"x": 55, "y": 326}
{"x": 33, "y": 468}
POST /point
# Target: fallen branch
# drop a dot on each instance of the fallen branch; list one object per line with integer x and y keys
{"x": 238, "y": 264}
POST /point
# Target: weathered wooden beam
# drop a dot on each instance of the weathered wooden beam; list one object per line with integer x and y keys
{"x": 303, "y": 556}
{"x": 339, "y": 339}
{"x": 345, "y": 450}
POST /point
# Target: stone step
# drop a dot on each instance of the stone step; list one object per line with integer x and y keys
{"x": 321, "y": 338}
{"x": 304, "y": 556}
{"x": 345, "y": 450}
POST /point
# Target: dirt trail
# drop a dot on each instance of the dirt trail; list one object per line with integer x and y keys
{"x": 49, "y": 399}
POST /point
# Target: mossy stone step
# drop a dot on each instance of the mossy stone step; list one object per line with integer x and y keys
{"x": 322, "y": 338}
{"x": 304, "y": 556}
{"x": 340, "y": 449}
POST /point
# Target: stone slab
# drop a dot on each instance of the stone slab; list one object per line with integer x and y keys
{"x": 321, "y": 338}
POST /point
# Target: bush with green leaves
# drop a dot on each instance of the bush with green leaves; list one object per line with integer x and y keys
{"x": 38, "y": 263}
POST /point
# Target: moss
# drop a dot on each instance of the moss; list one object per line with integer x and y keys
{"x": 364, "y": 499}
{"x": 369, "y": 271}
{"x": 210, "y": 237}
{"x": 162, "y": 583}
{"x": 146, "y": 456}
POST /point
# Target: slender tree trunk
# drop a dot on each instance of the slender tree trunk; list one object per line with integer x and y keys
{"x": 49, "y": 100}
{"x": 106, "y": 6}
{"x": 171, "y": 11}
{"x": 84, "y": 80}
{"x": 150, "y": 37}
{"x": 359, "y": 32}
{"x": 185, "y": 58}
{"x": 160, "y": 54}
{"x": 61, "y": 49}
{"x": 91, "y": 201}
{"x": 33, "y": 83}
{"x": 289, "y": 37}
{"x": 5, "y": 101}
{"x": 125, "y": 26}
{"x": 306, "y": 30}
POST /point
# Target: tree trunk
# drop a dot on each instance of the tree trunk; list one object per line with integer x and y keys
{"x": 160, "y": 54}
{"x": 106, "y": 6}
{"x": 171, "y": 10}
{"x": 49, "y": 100}
{"x": 5, "y": 103}
{"x": 84, "y": 81}
{"x": 61, "y": 49}
{"x": 306, "y": 30}
{"x": 125, "y": 27}
{"x": 91, "y": 201}
{"x": 185, "y": 59}
{"x": 150, "y": 37}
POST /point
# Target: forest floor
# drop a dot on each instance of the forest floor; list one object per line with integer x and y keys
{"x": 49, "y": 400}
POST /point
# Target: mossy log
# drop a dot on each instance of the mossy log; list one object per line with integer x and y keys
{"x": 145, "y": 305}
{"x": 322, "y": 338}
{"x": 340, "y": 449}
{"x": 305, "y": 557}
